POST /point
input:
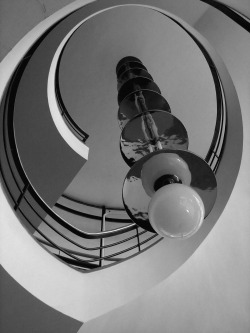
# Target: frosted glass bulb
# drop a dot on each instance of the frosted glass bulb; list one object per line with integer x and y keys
{"x": 176, "y": 211}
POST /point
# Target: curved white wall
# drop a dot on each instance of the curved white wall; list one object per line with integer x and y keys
{"x": 242, "y": 6}
{"x": 90, "y": 295}
{"x": 18, "y": 17}
{"x": 78, "y": 146}
{"x": 211, "y": 291}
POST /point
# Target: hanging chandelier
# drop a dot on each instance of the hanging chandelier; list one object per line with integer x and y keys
{"x": 168, "y": 190}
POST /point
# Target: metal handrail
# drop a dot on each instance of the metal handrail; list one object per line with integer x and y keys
{"x": 31, "y": 189}
{"x": 91, "y": 216}
{"x": 215, "y": 152}
{"x": 64, "y": 112}
{"x": 10, "y": 101}
{"x": 80, "y": 254}
{"x": 235, "y": 15}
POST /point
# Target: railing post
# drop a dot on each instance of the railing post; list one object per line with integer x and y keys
{"x": 102, "y": 239}
{"x": 138, "y": 239}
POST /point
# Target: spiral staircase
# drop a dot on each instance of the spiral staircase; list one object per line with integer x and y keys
{"x": 82, "y": 258}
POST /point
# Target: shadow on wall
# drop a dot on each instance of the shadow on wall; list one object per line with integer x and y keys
{"x": 27, "y": 313}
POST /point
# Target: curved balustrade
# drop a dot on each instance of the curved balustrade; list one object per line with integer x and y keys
{"x": 235, "y": 15}
{"x": 30, "y": 207}
{"x": 83, "y": 136}
{"x": 28, "y": 204}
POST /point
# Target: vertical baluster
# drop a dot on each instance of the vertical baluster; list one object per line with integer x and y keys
{"x": 102, "y": 239}
{"x": 138, "y": 239}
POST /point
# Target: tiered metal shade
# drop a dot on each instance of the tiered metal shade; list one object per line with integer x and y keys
{"x": 144, "y": 115}
{"x": 137, "y": 140}
{"x": 153, "y": 139}
{"x": 128, "y": 108}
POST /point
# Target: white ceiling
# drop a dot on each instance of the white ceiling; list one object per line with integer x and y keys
{"x": 88, "y": 86}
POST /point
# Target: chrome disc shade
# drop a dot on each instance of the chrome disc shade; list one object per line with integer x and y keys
{"x": 135, "y": 141}
{"x": 128, "y": 62}
{"x": 130, "y": 74}
{"x": 136, "y": 84}
{"x": 128, "y": 108}
{"x": 136, "y": 200}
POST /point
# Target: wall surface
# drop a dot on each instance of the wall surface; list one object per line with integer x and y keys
{"x": 27, "y": 314}
{"x": 20, "y": 311}
{"x": 211, "y": 291}
{"x": 242, "y": 6}
{"x": 49, "y": 162}
{"x": 18, "y": 17}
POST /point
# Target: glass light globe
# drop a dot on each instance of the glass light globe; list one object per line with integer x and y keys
{"x": 176, "y": 211}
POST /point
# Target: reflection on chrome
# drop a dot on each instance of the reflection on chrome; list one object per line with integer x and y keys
{"x": 137, "y": 140}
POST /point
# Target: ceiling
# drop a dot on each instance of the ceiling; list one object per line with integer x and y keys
{"x": 88, "y": 87}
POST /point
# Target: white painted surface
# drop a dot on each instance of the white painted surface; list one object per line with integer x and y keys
{"x": 242, "y": 6}
{"x": 78, "y": 146}
{"x": 211, "y": 291}
{"x": 86, "y": 296}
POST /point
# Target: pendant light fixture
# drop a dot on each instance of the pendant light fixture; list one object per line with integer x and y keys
{"x": 168, "y": 190}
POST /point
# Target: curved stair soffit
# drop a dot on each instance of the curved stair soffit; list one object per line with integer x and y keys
{"x": 86, "y": 296}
